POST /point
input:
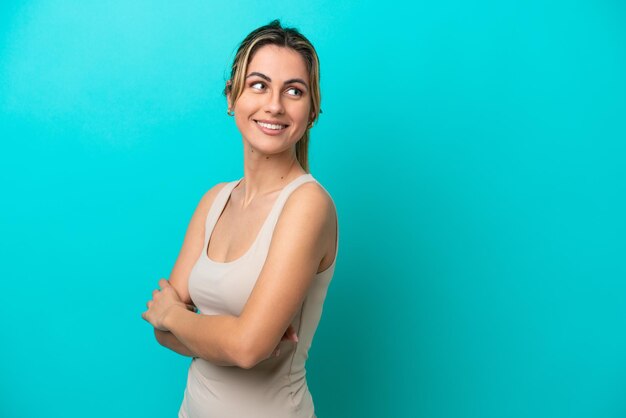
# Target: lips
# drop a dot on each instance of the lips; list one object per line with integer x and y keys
{"x": 271, "y": 124}
{"x": 271, "y": 129}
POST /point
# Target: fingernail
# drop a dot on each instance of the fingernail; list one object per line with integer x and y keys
{"x": 296, "y": 337}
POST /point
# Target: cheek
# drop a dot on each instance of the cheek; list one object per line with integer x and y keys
{"x": 242, "y": 123}
{"x": 243, "y": 111}
{"x": 246, "y": 102}
{"x": 302, "y": 112}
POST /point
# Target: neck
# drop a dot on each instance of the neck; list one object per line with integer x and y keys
{"x": 267, "y": 173}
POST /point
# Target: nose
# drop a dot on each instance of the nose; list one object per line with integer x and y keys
{"x": 274, "y": 104}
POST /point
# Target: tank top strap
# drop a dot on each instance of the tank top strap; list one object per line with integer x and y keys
{"x": 217, "y": 207}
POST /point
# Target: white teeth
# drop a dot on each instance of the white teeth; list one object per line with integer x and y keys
{"x": 271, "y": 126}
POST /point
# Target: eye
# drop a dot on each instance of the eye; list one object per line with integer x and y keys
{"x": 257, "y": 83}
{"x": 297, "y": 92}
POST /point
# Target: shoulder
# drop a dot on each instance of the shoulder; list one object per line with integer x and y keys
{"x": 213, "y": 191}
{"x": 205, "y": 203}
{"x": 209, "y": 196}
{"x": 311, "y": 194}
{"x": 310, "y": 203}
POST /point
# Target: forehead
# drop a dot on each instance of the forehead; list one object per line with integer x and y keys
{"x": 278, "y": 62}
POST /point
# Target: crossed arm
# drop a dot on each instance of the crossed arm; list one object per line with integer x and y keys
{"x": 297, "y": 247}
{"x": 169, "y": 340}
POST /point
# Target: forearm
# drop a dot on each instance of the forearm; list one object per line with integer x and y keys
{"x": 169, "y": 340}
{"x": 213, "y": 338}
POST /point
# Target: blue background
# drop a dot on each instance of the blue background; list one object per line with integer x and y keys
{"x": 475, "y": 152}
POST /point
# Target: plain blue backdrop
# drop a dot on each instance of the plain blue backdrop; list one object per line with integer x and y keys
{"x": 475, "y": 152}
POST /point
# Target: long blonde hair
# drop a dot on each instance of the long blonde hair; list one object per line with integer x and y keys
{"x": 274, "y": 34}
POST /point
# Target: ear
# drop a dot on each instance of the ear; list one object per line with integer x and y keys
{"x": 228, "y": 85}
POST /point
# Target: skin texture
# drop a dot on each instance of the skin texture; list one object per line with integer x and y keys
{"x": 303, "y": 242}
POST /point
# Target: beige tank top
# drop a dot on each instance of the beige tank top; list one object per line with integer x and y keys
{"x": 276, "y": 387}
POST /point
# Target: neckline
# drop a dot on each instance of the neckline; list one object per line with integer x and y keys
{"x": 258, "y": 235}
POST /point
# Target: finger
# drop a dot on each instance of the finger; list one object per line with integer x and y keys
{"x": 163, "y": 283}
{"x": 154, "y": 292}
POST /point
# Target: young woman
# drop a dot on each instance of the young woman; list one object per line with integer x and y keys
{"x": 260, "y": 251}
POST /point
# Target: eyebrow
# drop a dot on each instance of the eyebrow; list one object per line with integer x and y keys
{"x": 291, "y": 80}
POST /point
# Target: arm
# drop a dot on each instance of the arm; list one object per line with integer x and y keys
{"x": 179, "y": 276}
{"x": 218, "y": 347}
{"x": 296, "y": 249}
{"x": 192, "y": 247}
{"x": 169, "y": 340}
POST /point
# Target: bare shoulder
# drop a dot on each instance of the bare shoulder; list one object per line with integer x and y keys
{"x": 311, "y": 209}
{"x": 209, "y": 196}
{"x": 199, "y": 216}
{"x": 202, "y": 208}
{"x": 312, "y": 200}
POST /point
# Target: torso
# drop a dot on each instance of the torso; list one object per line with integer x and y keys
{"x": 237, "y": 228}
{"x": 219, "y": 284}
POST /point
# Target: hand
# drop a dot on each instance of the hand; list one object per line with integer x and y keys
{"x": 289, "y": 335}
{"x": 189, "y": 307}
{"x": 163, "y": 300}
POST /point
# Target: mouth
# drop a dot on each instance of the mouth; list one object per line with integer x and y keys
{"x": 271, "y": 127}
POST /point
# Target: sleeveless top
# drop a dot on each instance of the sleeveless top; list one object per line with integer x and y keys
{"x": 275, "y": 387}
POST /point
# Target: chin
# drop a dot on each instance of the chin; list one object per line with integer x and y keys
{"x": 270, "y": 144}
{"x": 268, "y": 148}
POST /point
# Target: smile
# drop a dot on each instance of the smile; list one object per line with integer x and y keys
{"x": 271, "y": 126}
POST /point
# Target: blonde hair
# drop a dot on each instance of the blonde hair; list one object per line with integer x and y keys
{"x": 274, "y": 34}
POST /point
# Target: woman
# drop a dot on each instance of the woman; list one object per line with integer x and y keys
{"x": 259, "y": 252}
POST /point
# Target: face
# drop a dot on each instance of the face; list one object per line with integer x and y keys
{"x": 274, "y": 108}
